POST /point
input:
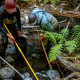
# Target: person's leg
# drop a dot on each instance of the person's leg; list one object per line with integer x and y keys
{"x": 15, "y": 35}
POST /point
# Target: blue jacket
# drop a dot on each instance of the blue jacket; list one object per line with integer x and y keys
{"x": 43, "y": 19}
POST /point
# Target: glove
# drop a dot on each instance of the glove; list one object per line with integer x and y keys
{"x": 19, "y": 33}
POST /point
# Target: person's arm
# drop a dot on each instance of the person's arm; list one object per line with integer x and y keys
{"x": 18, "y": 21}
{"x": 2, "y": 29}
{"x": 48, "y": 27}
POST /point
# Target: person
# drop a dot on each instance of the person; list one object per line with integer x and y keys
{"x": 43, "y": 19}
{"x": 10, "y": 15}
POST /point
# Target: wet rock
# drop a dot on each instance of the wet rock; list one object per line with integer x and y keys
{"x": 25, "y": 33}
{"x": 27, "y": 76}
{"x": 53, "y": 74}
{"x": 10, "y": 49}
{"x": 9, "y": 58}
{"x": 6, "y": 73}
{"x": 7, "y": 79}
{"x": 42, "y": 74}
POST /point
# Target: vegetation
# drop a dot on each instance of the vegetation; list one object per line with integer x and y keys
{"x": 52, "y": 1}
{"x": 44, "y": 1}
{"x": 64, "y": 41}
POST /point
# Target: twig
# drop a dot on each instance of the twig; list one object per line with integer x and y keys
{"x": 59, "y": 69}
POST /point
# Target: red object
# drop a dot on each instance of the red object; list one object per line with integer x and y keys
{"x": 19, "y": 34}
{"x": 14, "y": 41}
{"x": 10, "y": 5}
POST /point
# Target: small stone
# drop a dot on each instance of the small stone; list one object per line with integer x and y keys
{"x": 9, "y": 59}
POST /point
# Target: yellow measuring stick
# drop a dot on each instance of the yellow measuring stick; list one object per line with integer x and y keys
{"x": 22, "y": 54}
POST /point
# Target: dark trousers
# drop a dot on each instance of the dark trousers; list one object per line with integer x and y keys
{"x": 14, "y": 32}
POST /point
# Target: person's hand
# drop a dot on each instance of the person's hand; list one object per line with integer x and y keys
{"x": 19, "y": 33}
{"x": 11, "y": 37}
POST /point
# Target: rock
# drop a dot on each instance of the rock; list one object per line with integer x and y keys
{"x": 9, "y": 59}
{"x": 6, "y": 73}
{"x": 10, "y": 49}
{"x": 7, "y": 79}
{"x": 27, "y": 76}
{"x": 53, "y": 74}
{"x": 25, "y": 33}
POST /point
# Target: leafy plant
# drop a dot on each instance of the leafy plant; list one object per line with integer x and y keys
{"x": 75, "y": 31}
{"x": 50, "y": 36}
{"x": 65, "y": 32}
{"x": 70, "y": 46}
{"x": 54, "y": 52}
{"x": 61, "y": 40}
{"x": 52, "y": 1}
{"x": 21, "y": 0}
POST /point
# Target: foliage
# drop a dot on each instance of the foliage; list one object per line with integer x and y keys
{"x": 50, "y": 36}
{"x": 61, "y": 41}
{"x": 76, "y": 35}
{"x": 45, "y": 1}
{"x": 21, "y": 0}
{"x": 75, "y": 31}
{"x": 52, "y": 1}
{"x": 65, "y": 32}
{"x": 54, "y": 52}
{"x": 24, "y": 0}
{"x": 70, "y": 46}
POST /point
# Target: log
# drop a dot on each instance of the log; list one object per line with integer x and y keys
{"x": 68, "y": 64}
{"x": 74, "y": 75}
{"x": 70, "y": 14}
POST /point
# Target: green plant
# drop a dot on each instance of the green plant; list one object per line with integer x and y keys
{"x": 54, "y": 52}
{"x": 75, "y": 31}
{"x": 70, "y": 46}
{"x": 52, "y": 1}
{"x": 61, "y": 41}
{"x": 50, "y": 36}
{"x": 65, "y": 32}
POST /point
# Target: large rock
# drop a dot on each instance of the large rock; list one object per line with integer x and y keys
{"x": 10, "y": 49}
{"x": 53, "y": 74}
{"x": 6, "y": 73}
